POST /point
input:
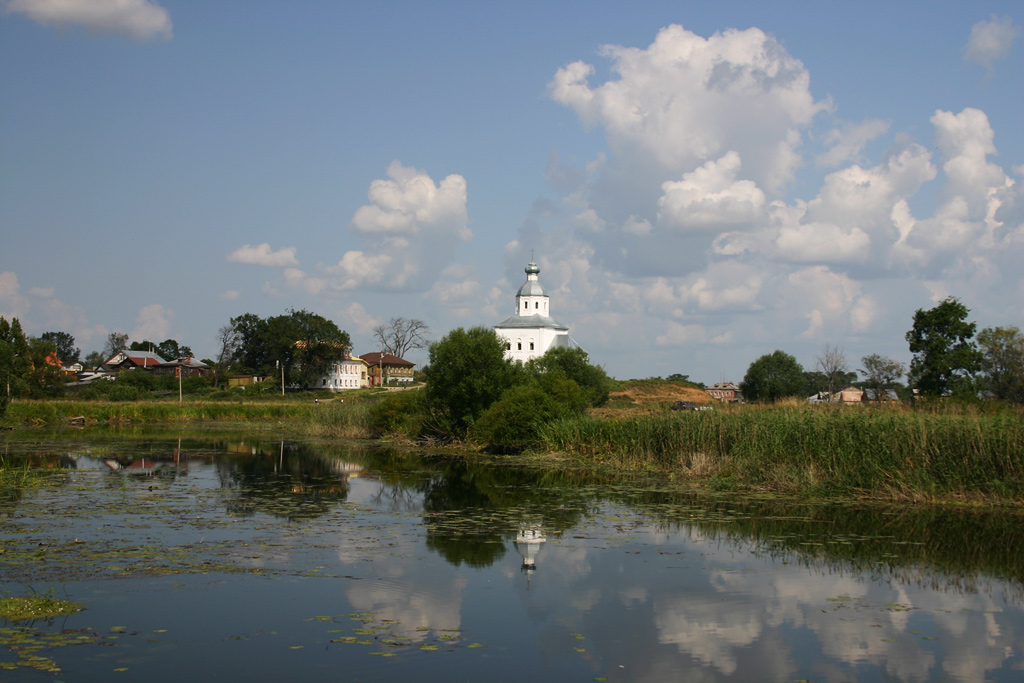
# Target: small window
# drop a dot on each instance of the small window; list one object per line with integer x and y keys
{"x": 519, "y": 346}
{"x": 531, "y": 346}
{"x": 508, "y": 346}
{"x": 536, "y": 304}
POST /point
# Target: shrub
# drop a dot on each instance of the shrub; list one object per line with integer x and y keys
{"x": 123, "y": 392}
{"x": 401, "y": 412}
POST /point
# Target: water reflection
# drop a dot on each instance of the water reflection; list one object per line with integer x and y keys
{"x": 584, "y": 577}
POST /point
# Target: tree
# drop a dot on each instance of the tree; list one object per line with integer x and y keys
{"x": 116, "y": 343}
{"x": 14, "y": 361}
{"x": 773, "y": 376}
{"x": 168, "y": 349}
{"x": 467, "y": 372}
{"x": 575, "y": 365}
{"x": 881, "y": 373}
{"x": 1003, "y": 364}
{"x": 303, "y": 343}
{"x": 831, "y": 363}
{"x": 401, "y": 335}
{"x": 945, "y": 356}
{"x": 64, "y": 343}
{"x": 94, "y": 359}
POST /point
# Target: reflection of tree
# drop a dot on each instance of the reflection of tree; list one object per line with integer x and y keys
{"x": 473, "y": 509}
{"x": 938, "y": 546}
{"x": 296, "y": 482}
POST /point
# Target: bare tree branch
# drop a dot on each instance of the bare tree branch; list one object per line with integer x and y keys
{"x": 831, "y": 362}
{"x": 401, "y": 335}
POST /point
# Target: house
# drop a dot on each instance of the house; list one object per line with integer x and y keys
{"x": 531, "y": 331}
{"x": 726, "y": 392}
{"x": 184, "y": 367}
{"x": 887, "y": 396}
{"x": 848, "y": 396}
{"x": 348, "y": 373}
{"x": 129, "y": 360}
{"x": 383, "y": 368}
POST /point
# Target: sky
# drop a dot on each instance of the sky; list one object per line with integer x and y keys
{"x": 700, "y": 183}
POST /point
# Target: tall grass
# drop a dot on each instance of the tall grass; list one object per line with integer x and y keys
{"x": 119, "y": 412}
{"x": 898, "y": 453}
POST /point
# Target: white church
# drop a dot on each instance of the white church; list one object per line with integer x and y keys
{"x": 531, "y": 331}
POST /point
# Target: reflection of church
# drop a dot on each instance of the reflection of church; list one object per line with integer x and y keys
{"x": 528, "y": 543}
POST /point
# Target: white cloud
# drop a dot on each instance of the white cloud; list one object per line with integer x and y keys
{"x": 361, "y": 318}
{"x": 410, "y": 202}
{"x": 710, "y": 197}
{"x": 411, "y": 227}
{"x": 13, "y": 303}
{"x": 990, "y": 41}
{"x": 686, "y": 100}
{"x": 230, "y": 295}
{"x": 263, "y": 255}
{"x": 139, "y": 20}
{"x": 822, "y": 243}
{"x": 153, "y": 323}
{"x": 298, "y": 279}
{"x": 848, "y": 140}
{"x": 678, "y": 333}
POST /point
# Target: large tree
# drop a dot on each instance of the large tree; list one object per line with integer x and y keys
{"x": 303, "y": 343}
{"x": 467, "y": 372}
{"x": 880, "y": 374}
{"x": 1003, "y": 365}
{"x": 64, "y": 343}
{"x": 773, "y": 376}
{"x": 575, "y": 365}
{"x": 401, "y": 335}
{"x": 168, "y": 349}
{"x": 945, "y": 357}
{"x": 15, "y": 362}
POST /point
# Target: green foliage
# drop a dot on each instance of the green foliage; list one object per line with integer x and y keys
{"x": 14, "y": 362}
{"x": 514, "y": 421}
{"x": 64, "y": 343}
{"x": 116, "y": 342}
{"x": 400, "y": 412}
{"x": 881, "y": 374}
{"x": 140, "y": 379}
{"x": 123, "y": 392}
{"x": 575, "y": 365}
{"x": 1003, "y": 365}
{"x": 169, "y": 349}
{"x": 305, "y": 343}
{"x": 773, "y": 376}
{"x": 945, "y": 356}
{"x": 467, "y": 373}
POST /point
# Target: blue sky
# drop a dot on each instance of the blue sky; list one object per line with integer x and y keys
{"x": 701, "y": 183}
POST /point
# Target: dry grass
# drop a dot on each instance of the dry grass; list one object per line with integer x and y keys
{"x": 647, "y": 397}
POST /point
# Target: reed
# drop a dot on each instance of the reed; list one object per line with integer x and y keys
{"x": 898, "y": 453}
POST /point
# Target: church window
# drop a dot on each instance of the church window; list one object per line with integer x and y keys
{"x": 536, "y": 304}
{"x": 519, "y": 346}
{"x": 531, "y": 346}
{"x": 508, "y": 346}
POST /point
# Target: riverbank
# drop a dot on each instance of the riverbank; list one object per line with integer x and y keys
{"x": 965, "y": 454}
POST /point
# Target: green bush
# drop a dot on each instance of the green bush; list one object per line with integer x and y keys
{"x": 513, "y": 423}
{"x": 123, "y": 392}
{"x": 401, "y": 412}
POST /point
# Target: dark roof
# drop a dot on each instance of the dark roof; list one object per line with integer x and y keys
{"x": 376, "y": 358}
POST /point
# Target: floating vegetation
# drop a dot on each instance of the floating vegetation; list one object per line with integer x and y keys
{"x": 32, "y": 607}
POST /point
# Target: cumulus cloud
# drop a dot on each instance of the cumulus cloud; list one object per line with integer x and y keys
{"x": 264, "y": 255}
{"x": 710, "y": 197}
{"x": 848, "y": 140}
{"x": 411, "y": 227}
{"x": 153, "y": 323}
{"x": 686, "y": 100}
{"x": 13, "y": 304}
{"x": 990, "y": 41}
{"x": 139, "y": 20}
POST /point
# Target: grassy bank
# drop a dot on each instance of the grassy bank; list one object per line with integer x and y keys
{"x": 882, "y": 452}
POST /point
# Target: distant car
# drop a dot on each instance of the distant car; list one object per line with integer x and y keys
{"x": 688, "y": 405}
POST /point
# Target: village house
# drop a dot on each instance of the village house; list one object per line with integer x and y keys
{"x": 348, "y": 373}
{"x": 383, "y": 368}
{"x": 531, "y": 330}
{"x": 726, "y": 392}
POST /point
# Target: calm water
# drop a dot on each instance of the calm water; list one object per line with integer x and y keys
{"x": 235, "y": 558}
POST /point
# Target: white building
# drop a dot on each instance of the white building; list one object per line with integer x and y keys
{"x": 532, "y": 331}
{"x": 349, "y": 373}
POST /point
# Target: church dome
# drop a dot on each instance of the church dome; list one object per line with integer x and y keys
{"x": 531, "y": 288}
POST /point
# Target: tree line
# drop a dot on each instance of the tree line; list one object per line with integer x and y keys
{"x": 948, "y": 360}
